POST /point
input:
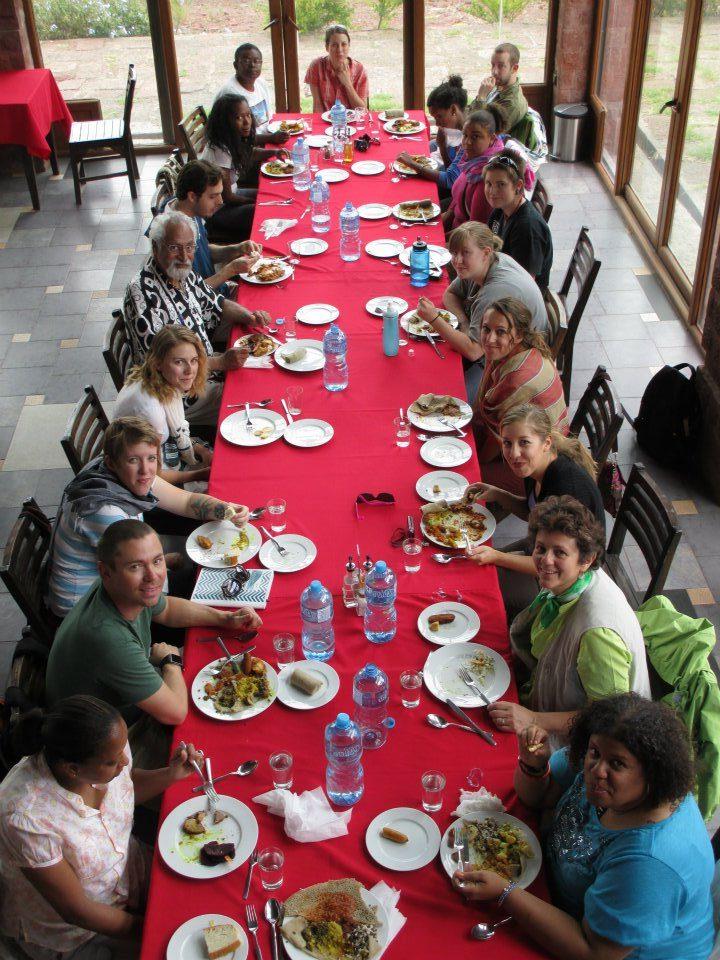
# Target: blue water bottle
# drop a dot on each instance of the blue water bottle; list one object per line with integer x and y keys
{"x": 301, "y": 165}
{"x": 371, "y": 693}
{"x": 391, "y": 335}
{"x": 335, "y": 371}
{"x": 380, "y": 614}
{"x": 419, "y": 264}
{"x": 350, "y": 233}
{"x": 319, "y": 205}
{"x": 316, "y": 610}
{"x": 344, "y": 776}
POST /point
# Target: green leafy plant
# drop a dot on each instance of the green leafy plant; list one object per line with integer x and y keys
{"x": 69, "y": 19}
{"x": 385, "y": 10}
{"x": 489, "y": 10}
{"x": 315, "y": 14}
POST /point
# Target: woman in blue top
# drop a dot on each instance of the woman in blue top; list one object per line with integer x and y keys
{"x": 627, "y": 854}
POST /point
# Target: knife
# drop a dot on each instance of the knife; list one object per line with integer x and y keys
{"x": 487, "y": 737}
{"x": 434, "y": 346}
{"x": 285, "y": 408}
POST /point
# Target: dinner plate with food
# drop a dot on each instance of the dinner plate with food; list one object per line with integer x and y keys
{"x": 336, "y": 919}
{"x": 307, "y": 684}
{"x": 383, "y": 247}
{"x": 403, "y": 126}
{"x": 445, "y": 451}
{"x": 416, "y": 211}
{"x": 308, "y": 432}
{"x": 448, "y": 622}
{"x": 413, "y": 324}
{"x": 454, "y": 524}
{"x": 441, "y": 485}
{"x": 499, "y": 842}
{"x": 487, "y": 668}
{"x": 260, "y": 346}
{"x": 234, "y": 689}
{"x": 317, "y": 314}
{"x": 293, "y": 127}
{"x": 374, "y": 211}
{"x": 197, "y": 843}
{"x": 378, "y": 305}
{"x": 278, "y": 169}
{"x": 211, "y": 935}
{"x": 427, "y": 162}
{"x": 334, "y": 174}
{"x": 308, "y": 246}
{"x": 439, "y": 256}
{"x": 267, "y": 270}
{"x": 386, "y": 115}
{"x": 221, "y": 544}
{"x": 403, "y": 839}
{"x": 439, "y": 413}
{"x": 299, "y": 553}
{"x": 349, "y": 113}
{"x": 266, "y": 426}
{"x": 300, "y": 356}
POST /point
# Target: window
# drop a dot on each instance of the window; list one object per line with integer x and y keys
{"x": 615, "y": 38}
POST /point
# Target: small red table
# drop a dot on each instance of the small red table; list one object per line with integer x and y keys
{"x": 30, "y": 102}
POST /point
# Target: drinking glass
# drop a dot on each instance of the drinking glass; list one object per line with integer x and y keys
{"x": 276, "y": 509}
{"x": 290, "y": 331}
{"x": 271, "y": 861}
{"x": 294, "y": 400}
{"x": 475, "y": 777}
{"x": 284, "y": 646}
{"x": 360, "y": 117}
{"x": 412, "y": 549}
{"x": 281, "y": 765}
{"x": 433, "y": 784}
{"x": 402, "y": 432}
{"x": 410, "y": 681}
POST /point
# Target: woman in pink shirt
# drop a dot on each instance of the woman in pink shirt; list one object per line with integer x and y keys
{"x": 480, "y": 142}
{"x": 337, "y": 76}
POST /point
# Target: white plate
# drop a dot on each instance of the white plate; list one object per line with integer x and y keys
{"x": 298, "y": 700}
{"x": 239, "y": 827}
{"x": 374, "y": 211}
{"x": 367, "y": 168}
{"x": 377, "y": 305}
{"x": 383, "y": 248}
{"x": 233, "y": 427}
{"x": 222, "y": 533}
{"x": 433, "y": 425}
{"x": 382, "y": 116}
{"x": 531, "y": 867}
{"x": 381, "y": 933}
{"x": 188, "y": 941}
{"x": 439, "y": 256}
{"x": 300, "y": 553}
{"x": 445, "y": 452}
{"x": 423, "y": 839}
{"x": 481, "y": 511}
{"x": 405, "y": 323}
{"x": 317, "y": 140}
{"x": 418, "y": 125}
{"x": 403, "y": 216}
{"x": 253, "y": 278}
{"x": 333, "y": 174}
{"x": 399, "y": 167}
{"x": 350, "y": 131}
{"x": 452, "y": 485}
{"x": 349, "y": 113}
{"x": 276, "y": 176}
{"x": 275, "y": 125}
{"x": 316, "y": 314}
{"x": 440, "y": 674}
{"x": 463, "y": 628}
{"x": 308, "y": 433}
{"x": 314, "y": 359}
{"x": 197, "y": 692}
{"x": 308, "y": 246}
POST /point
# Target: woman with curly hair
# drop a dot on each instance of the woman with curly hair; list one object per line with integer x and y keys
{"x": 627, "y": 853}
{"x": 579, "y": 640}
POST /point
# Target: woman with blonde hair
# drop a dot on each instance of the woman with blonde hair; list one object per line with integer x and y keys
{"x": 175, "y": 367}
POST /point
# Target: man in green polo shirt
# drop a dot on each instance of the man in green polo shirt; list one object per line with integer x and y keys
{"x": 503, "y": 88}
{"x": 103, "y": 647}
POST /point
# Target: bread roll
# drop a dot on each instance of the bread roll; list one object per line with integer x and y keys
{"x": 304, "y": 682}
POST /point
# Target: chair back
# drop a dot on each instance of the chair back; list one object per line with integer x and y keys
{"x": 166, "y": 181}
{"x": 24, "y": 566}
{"x": 599, "y": 415}
{"x": 650, "y": 519}
{"x": 117, "y": 350}
{"x": 557, "y": 321}
{"x": 541, "y": 200}
{"x": 579, "y": 281}
{"x": 129, "y": 95}
{"x": 85, "y": 431}
{"x": 192, "y": 131}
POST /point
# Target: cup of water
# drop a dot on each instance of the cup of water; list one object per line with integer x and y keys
{"x": 402, "y": 432}
{"x": 281, "y": 765}
{"x": 271, "y": 861}
{"x": 294, "y": 400}
{"x": 410, "y": 683}
{"x": 284, "y": 647}
{"x": 412, "y": 550}
{"x": 433, "y": 784}
{"x": 276, "y": 509}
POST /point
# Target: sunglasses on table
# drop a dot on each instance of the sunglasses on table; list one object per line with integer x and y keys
{"x": 372, "y": 500}
{"x": 236, "y": 580}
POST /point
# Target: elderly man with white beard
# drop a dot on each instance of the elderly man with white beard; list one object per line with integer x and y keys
{"x": 168, "y": 291}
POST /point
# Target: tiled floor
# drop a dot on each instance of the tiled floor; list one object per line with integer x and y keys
{"x": 63, "y": 270}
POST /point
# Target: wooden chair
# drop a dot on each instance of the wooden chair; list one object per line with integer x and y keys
{"x": 599, "y": 416}
{"x": 24, "y": 566}
{"x": 581, "y": 273}
{"x": 166, "y": 181}
{"x": 90, "y": 136}
{"x": 117, "y": 351}
{"x": 85, "y": 431}
{"x": 192, "y": 132}
{"x": 541, "y": 200}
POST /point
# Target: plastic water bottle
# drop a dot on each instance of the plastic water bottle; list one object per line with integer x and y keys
{"x": 380, "y": 612}
{"x": 350, "y": 233}
{"x": 371, "y": 691}
{"x": 338, "y": 119}
{"x": 419, "y": 264}
{"x": 319, "y": 205}
{"x": 301, "y": 163}
{"x": 390, "y": 336}
{"x": 335, "y": 371}
{"x": 316, "y": 610}
{"x": 344, "y": 776}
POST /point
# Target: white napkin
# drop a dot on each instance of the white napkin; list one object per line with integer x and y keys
{"x": 389, "y": 897}
{"x": 308, "y": 817}
{"x": 274, "y": 227}
{"x": 478, "y": 801}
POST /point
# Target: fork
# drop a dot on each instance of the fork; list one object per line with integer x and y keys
{"x": 251, "y": 865}
{"x": 207, "y": 785}
{"x": 280, "y": 549}
{"x": 275, "y": 203}
{"x": 467, "y": 679}
{"x": 252, "y": 925}
{"x": 446, "y": 423}
{"x": 248, "y": 421}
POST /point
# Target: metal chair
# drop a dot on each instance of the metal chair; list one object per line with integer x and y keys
{"x": 85, "y": 431}
{"x": 117, "y": 351}
{"x": 192, "y": 131}
{"x": 89, "y": 136}
{"x": 166, "y": 181}
{"x": 541, "y": 200}
{"x": 599, "y": 416}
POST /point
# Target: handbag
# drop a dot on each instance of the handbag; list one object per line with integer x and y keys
{"x": 612, "y": 484}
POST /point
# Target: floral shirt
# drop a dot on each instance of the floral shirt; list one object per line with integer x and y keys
{"x": 320, "y": 74}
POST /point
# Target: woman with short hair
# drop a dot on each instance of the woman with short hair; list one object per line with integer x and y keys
{"x": 337, "y": 76}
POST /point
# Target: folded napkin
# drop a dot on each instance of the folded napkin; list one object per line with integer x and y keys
{"x": 255, "y": 593}
{"x": 478, "y": 801}
{"x": 308, "y": 816}
{"x": 389, "y": 898}
{"x": 274, "y": 227}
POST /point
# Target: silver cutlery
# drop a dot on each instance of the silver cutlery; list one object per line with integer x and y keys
{"x": 448, "y": 557}
{"x": 275, "y": 203}
{"x": 280, "y": 549}
{"x": 440, "y": 723}
{"x": 211, "y": 794}
{"x": 394, "y": 136}
{"x": 246, "y": 889}
{"x": 287, "y": 411}
{"x": 248, "y": 424}
{"x": 253, "y": 403}
{"x": 437, "y": 351}
{"x": 459, "y": 844}
{"x": 272, "y": 915}
{"x": 485, "y": 931}
{"x": 300, "y": 218}
{"x": 233, "y": 660}
{"x": 252, "y": 925}
{"x": 206, "y": 786}
{"x": 256, "y": 513}
{"x": 460, "y": 713}
{"x": 446, "y": 423}
{"x": 468, "y": 680}
{"x": 244, "y": 770}
{"x": 422, "y": 437}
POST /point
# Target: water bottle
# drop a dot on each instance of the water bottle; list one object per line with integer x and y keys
{"x": 350, "y": 233}
{"x": 316, "y": 610}
{"x": 371, "y": 691}
{"x": 335, "y": 371}
{"x": 338, "y": 119}
{"x": 319, "y": 205}
{"x": 390, "y": 335}
{"x": 419, "y": 264}
{"x": 344, "y": 777}
{"x": 301, "y": 163}
{"x": 380, "y": 612}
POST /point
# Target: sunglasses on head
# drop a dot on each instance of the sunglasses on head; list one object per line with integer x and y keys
{"x": 373, "y": 500}
{"x": 507, "y": 162}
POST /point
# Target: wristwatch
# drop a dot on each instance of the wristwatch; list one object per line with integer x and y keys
{"x": 171, "y": 658}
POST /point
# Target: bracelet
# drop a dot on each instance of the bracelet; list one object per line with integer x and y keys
{"x": 506, "y": 893}
{"x": 538, "y": 773}
{"x": 171, "y": 658}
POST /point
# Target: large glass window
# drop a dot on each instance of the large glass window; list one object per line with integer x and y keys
{"x": 613, "y": 62}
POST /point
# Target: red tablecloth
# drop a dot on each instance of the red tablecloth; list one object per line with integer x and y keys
{"x": 320, "y": 486}
{"x": 30, "y": 102}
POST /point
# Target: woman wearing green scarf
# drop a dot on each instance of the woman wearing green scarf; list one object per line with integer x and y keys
{"x": 579, "y": 640}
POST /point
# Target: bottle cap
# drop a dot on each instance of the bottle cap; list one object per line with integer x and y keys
{"x": 420, "y": 244}
{"x": 381, "y": 567}
{"x": 350, "y": 565}
{"x": 371, "y": 670}
{"x": 316, "y": 587}
{"x": 388, "y": 723}
{"x": 348, "y": 205}
{"x": 343, "y": 721}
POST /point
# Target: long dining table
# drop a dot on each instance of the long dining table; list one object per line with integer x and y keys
{"x": 320, "y": 486}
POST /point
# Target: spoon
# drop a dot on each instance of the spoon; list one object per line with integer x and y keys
{"x": 446, "y": 557}
{"x": 486, "y": 931}
{"x": 272, "y": 915}
{"x": 440, "y": 723}
{"x": 257, "y": 513}
{"x": 422, "y": 436}
{"x": 253, "y": 403}
{"x": 242, "y": 771}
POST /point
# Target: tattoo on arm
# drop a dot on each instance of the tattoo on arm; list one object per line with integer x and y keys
{"x": 206, "y": 508}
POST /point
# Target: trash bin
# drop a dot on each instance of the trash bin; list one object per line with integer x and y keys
{"x": 568, "y": 122}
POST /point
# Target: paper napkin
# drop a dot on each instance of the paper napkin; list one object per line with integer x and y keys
{"x": 255, "y": 593}
{"x": 274, "y": 227}
{"x": 308, "y": 816}
{"x": 478, "y": 801}
{"x": 389, "y": 897}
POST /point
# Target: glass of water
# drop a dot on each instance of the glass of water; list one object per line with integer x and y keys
{"x": 271, "y": 861}
{"x": 433, "y": 784}
{"x": 294, "y": 400}
{"x": 284, "y": 647}
{"x": 276, "y": 509}
{"x": 402, "y": 432}
{"x": 410, "y": 682}
{"x": 290, "y": 330}
{"x": 281, "y": 765}
{"x": 360, "y": 117}
{"x": 412, "y": 550}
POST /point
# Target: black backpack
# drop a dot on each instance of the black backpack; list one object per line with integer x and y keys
{"x": 668, "y": 424}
